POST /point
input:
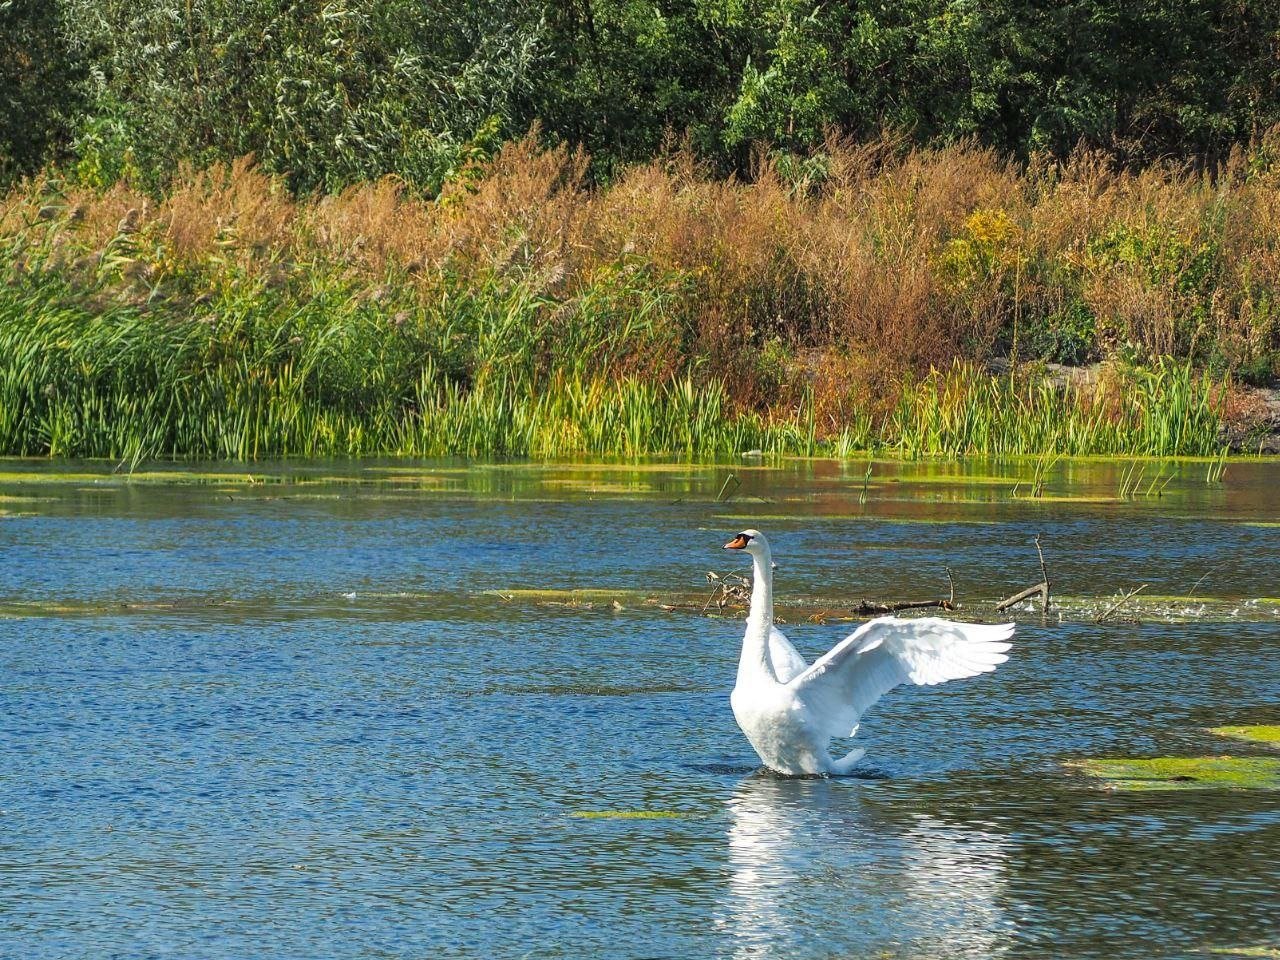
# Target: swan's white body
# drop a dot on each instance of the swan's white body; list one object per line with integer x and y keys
{"x": 791, "y": 711}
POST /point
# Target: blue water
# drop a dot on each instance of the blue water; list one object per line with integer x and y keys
{"x": 286, "y": 720}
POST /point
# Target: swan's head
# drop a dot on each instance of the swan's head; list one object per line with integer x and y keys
{"x": 752, "y": 541}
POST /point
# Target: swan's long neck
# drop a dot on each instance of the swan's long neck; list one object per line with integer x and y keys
{"x": 755, "y": 644}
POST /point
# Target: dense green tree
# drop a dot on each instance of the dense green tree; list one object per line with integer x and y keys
{"x": 38, "y": 91}
{"x": 326, "y": 91}
{"x": 335, "y": 91}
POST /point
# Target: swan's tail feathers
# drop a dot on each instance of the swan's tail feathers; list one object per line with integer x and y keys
{"x": 846, "y": 763}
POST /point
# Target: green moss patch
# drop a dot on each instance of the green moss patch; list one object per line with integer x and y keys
{"x": 1185, "y": 773}
{"x": 27, "y": 609}
{"x": 1268, "y": 734}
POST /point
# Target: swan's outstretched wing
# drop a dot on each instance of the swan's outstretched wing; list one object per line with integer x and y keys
{"x": 883, "y": 653}
{"x": 786, "y": 659}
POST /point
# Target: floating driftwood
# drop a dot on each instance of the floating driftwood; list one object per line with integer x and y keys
{"x": 730, "y": 595}
{"x": 733, "y": 591}
{"x": 868, "y": 607}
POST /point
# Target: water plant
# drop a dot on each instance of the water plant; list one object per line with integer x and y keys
{"x": 1162, "y": 411}
{"x": 1217, "y": 468}
{"x": 1185, "y": 773}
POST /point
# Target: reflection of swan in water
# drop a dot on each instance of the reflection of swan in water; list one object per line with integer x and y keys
{"x": 814, "y": 864}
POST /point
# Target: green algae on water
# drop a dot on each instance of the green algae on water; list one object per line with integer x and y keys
{"x": 1268, "y": 734}
{"x": 1184, "y": 773}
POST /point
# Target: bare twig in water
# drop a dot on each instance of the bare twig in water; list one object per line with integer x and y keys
{"x": 731, "y": 478}
{"x": 1121, "y": 602}
{"x": 1042, "y": 588}
{"x": 1196, "y": 586}
{"x": 1023, "y": 595}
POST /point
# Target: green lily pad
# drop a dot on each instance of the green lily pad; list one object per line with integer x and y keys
{"x": 1272, "y": 952}
{"x": 1268, "y": 734}
{"x": 1185, "y": 773}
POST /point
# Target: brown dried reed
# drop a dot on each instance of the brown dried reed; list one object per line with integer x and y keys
{"x": 899, "y": 260}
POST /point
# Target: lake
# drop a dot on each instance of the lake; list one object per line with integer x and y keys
{"x": 437, "y": 709}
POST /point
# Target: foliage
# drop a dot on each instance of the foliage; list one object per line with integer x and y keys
{"x": 304, "y": 226}
{"x": 1166, "y": 410}
{"x": 325, "y": 93}
{"x": 819, "y": 312}
{"x": 334, "y": 92}
{"x": 265, "y": 377}
{"x": 260, "y": 377}
{"x": 37, "y": 86}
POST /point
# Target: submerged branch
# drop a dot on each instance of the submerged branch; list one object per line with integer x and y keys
{"x": 1042, "y": 588}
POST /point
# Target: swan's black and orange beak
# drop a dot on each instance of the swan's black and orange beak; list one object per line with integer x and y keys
{"x": 738, "y": 543}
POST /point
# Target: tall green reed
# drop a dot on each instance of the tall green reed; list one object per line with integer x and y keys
{"x": 1164, "y": 410}
{"x": 255, "y": 379}
{"x": 502, "y": 370}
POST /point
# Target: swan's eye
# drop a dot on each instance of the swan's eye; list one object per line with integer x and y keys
{"x": 746, "y": 537}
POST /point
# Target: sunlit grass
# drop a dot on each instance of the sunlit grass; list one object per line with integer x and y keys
{"x": 273, "y": 374}
{"x": 1167, "y": 410}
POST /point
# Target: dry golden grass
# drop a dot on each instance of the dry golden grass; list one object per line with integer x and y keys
{"x": 897, "y": 260}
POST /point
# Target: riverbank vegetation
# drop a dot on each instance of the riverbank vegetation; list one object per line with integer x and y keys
{"x": 527, "y": 312}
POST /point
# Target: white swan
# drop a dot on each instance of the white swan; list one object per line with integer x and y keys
{"x": 791, "y": 711}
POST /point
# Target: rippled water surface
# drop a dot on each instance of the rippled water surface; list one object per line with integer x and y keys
{"x": 318, "y": 712}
